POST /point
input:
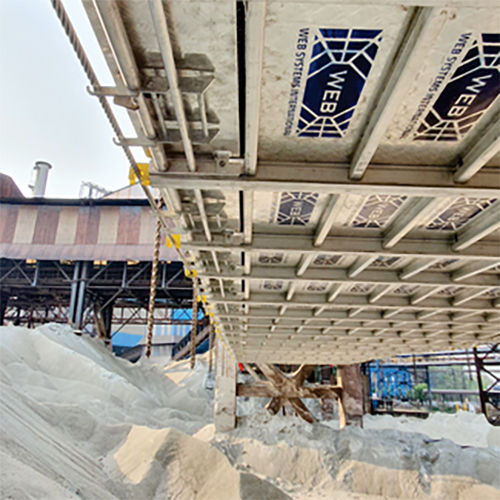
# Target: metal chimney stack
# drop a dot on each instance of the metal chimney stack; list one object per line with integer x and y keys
{"x": 41, "y": 172}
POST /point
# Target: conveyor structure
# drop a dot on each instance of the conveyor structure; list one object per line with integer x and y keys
{"x": 332, "y": 167}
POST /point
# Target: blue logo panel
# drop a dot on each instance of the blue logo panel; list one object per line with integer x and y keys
{"x": 472, "y": 89}
{"x": 340, "y": 63}
{"x": 296, "y": 208}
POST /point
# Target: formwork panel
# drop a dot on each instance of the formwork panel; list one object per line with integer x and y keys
{"x": 295, "y": 75}
{"x": 354, "y": 224}
{"x": 454, "y": 95}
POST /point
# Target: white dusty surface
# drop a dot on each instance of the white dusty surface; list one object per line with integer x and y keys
{"x": 76, "y": 422}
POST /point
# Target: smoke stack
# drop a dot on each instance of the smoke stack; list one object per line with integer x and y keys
{"x": 40, "y": 172}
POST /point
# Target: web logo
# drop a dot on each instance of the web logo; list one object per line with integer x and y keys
{"x": 472, "y": 89}
{"x": 340, "y": 63}
{"x": 296, "y": 208}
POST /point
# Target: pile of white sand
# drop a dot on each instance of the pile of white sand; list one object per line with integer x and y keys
{"x": 77, "y": 422}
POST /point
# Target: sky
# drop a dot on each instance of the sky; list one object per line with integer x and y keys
{"x": 45, "y": 110}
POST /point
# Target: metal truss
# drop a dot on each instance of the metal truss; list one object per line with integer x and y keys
{"x": 83, "y": 292}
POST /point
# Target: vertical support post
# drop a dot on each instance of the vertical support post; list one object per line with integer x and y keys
{"x": 152, "y": 289}
{"x": 225, "y": 390}
{"x": 99, "y": 322}
{"x": 479, "y": 367}
{"x": 34, "y": 283}
{"x": 210, "y": 349}
{"x": 429, "y": 391}
{"x": 17, "y": 321}
{"x": 351, "y": 402}
{"x": 107, "y": 318}
{"x": 414, "y": 361}
{"x": 367, "y": 402}
{"x": 80, "y": 302}
{"x": 74, "y": 294}
{"x": 323, "y": 375}
{"x": 194, "y": 323}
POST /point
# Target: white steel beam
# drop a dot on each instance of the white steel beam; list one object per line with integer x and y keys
{"x": 360, "y": 265}
{"x": 304, "y": 262}
{"x": 352, "y": 245}
{"x": 394, "y": 89}
{"x": 478, "y": 227}
{"x": 380, "y": 292}
{"x": 326, "y": 221}
{"x": 415, "y": 211}
{"x": 310, "y": 336}
{"x": 462, "y": 315}
{"x": 352, "y": 313}
{"x": 355, "y": 322}
{"x": 291, "y": 291}
{"x": 203, "y": 214}
{"x": 424, "y": 293}
{"x": 466, "y": 296}
{"x": 391, "y": 313}
{"x": 429, "y": 313}
{"x": 415, "y": 267}
{"x": 482, "y": 151}
{"x": 110, "y": 32}
{"x": 412, "y": 3}
{"x": 248, "y": 198}
{"x": 427, "y": 181}
{"x": 334, "y": 292}
{"x": 378, "y": 277}
{"x": 255, "y": 24}
{"x": 472, "y": 269}
{"x": 111, "y": 20}
{"x": 348, "y": 301}
{"x": 307, "y": 331}
{"x": 167, "y": 54}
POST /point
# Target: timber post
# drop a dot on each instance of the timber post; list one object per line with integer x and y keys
{"x": 351, "y": 401}
{"x": 225, "y": 389}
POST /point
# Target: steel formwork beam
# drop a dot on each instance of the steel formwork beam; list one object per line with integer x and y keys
{"x": 396, "y": 83}
{"x": 366, "y": 316}
{"x": 411, "y": 180}
{"x": 347, "y": 301}
{"x": 482, "y": 151}
{"x": 352, "y": 245}
{"x": 369, "y": 276}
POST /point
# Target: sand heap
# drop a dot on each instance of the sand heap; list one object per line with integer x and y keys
{"x": 77, "y": 422}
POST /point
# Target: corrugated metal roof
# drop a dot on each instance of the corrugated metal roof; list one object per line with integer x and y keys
{"x": 79, "y": 232}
